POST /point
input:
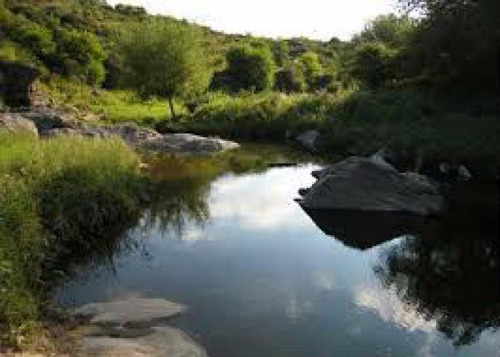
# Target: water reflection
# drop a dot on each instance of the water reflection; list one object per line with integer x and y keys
{"x": 364, "y": 229}
{"x": 450, "y": 278}
{"x": 444, "y": 276}
{"x": 261, "y": 279}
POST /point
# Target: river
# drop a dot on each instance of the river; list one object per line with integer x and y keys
{"x": 262, "y": 279}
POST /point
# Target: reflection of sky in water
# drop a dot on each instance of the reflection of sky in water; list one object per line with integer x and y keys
{"x": 262, "y": 280}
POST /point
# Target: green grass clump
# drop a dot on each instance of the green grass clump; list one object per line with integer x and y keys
{"x": 427, "y": 126}
{"x": 114, "y": 106}
{"x": 57, "y": 197}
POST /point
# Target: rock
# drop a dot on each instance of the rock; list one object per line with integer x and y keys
{"x": 129, "y": 312}
{"x": 308, "y": 139}
{"x": 46, "y": 119}
{"x": 16, "y": 122}
{"x": 133, "y": 134}
{"x": 54, "y": 123}
{"x": 162, "y": 342}
{"x": 188, "y": 143}
{"x": 16, "y": 80}
{"x": 448, "y": 172}
{"x": 367, "y": 185}
{"x": 385, "y": 157}
{"x": 464, "y": 174}
{"x": 399, "y": 160}
{"x": 73, "y": 132}
{"x": 303, "y": 191}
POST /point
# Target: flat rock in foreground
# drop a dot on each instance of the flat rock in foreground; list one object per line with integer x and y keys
{"x": 367, "y": 185}
{"x": 129, "y": 312}
{"x": 163, "y": 342}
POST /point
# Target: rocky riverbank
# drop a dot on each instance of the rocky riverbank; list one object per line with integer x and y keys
{"x": 132, "y": 327}
{"x": 50, "y": 123}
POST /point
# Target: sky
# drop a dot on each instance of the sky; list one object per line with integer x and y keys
{"x": 316, "y": 19}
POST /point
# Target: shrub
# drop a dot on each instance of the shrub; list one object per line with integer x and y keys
{"x": 290, "y": 80}
{"x": 164, "y": 59}
{"x": 57, "y": 196}
{"x": 250, "y": 68}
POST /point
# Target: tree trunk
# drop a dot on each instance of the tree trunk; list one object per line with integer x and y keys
{"x": 171, "y": 105}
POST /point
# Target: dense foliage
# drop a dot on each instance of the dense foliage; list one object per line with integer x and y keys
{"x": 57, "y": 197}
{"x": 249, "y": 68}
{"x": 450, "y": 44}
{"x": 163, "y": 59}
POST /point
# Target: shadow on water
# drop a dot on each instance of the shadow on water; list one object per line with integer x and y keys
{"x": 448, "y": 269}
{"x": 364, "y": 229}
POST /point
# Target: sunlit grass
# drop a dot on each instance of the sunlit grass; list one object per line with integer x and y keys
{"x": 55, "y": 195}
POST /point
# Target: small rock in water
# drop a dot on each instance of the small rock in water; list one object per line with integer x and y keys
{"x": 464, "y": 174}
{"x": 308, "y": 139}
{"x": 163, "y": 342}
{"x": 129, "y": 312}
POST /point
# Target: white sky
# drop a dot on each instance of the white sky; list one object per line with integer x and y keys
{"x": 318, "y": 19}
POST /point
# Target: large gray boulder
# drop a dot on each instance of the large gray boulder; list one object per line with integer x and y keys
{"x": 370, "y": 185}
{"x": 162, "y": 342}
{"x": 15, "y": 123}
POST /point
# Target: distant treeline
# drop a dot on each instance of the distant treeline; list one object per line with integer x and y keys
{"x": 449, "y": 44}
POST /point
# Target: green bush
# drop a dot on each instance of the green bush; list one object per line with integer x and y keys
{"x": 57, "y": 196}
{"x": 35, "y": 37}
{"x": 290, "y": 80}
{"x": 250, "y": 68}
{"x": 81, "y": 54}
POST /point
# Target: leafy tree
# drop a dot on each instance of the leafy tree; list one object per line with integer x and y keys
{"x": 372, "y": 64}
{"x": 456, "y": 43}
{"x": 163, "y": 59}
{"x": 310, "y": 64}
{"x": 281, "y": 53}
{"x": 290, "y": 79}
{"x": 35, "y": 37}
{"x": 391, "y": 30}
{"x": 250, "y": 67}
{"x": 81, "y": 54}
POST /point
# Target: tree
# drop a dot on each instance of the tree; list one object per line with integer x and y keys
{"x": 82, "y": 54}
{"x": 164, "y": 59}
{"x": 390, "y": 30}
{"x": 290, "y": 79}
{"x": 456, "y": 43}
{"x": 250, "y": 67}
{"x": 372, "y": 64}
{"x": 311, "y": 67}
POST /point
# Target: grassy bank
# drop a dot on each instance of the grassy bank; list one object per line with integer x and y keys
{"x": 57, "y": 197}
{"x": 428, "y": 126}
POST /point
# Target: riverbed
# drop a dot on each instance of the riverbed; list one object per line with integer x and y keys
{"x": 261, "y": 278}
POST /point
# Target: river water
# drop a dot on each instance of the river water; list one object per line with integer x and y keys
{"x": 262, "y": 279}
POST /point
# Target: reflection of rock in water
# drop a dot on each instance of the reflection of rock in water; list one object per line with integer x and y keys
{"x": 451, "y": 273}
{"x": 448, "y": 271}
{"x": 365, "y": 229}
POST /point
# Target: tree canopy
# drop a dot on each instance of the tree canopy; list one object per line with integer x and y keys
{"x": 250, "y": 67}
{"x": 163, "y": 59}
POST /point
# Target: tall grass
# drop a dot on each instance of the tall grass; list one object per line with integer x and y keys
{"x": 428, "y": 126}
{"x": 114, "y": 106}
{"x": 57, "y": 196}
